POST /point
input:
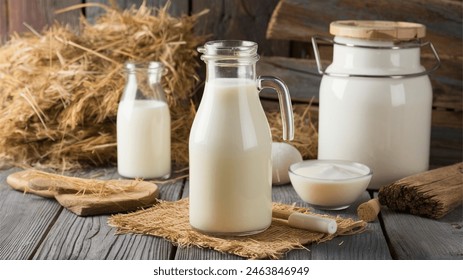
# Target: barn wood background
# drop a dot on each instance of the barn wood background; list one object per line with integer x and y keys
{"x": 283, "y": 30}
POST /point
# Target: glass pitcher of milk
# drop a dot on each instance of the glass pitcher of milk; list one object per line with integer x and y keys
{"x": 230, "y": 143}
{"x": 143, "y": 124}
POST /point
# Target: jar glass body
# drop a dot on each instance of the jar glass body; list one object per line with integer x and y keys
{"x": 382, "y": 122}
{"x": 143, "y": 124}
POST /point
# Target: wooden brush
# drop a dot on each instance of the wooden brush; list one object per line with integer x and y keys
{"x": 432, "y": 194}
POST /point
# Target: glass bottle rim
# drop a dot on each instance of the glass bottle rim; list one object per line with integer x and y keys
{"x": 150, "y": 66}
{"x": 229, "y": 49}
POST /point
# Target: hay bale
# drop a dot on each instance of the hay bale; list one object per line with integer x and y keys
{"x": 60, "y": 89}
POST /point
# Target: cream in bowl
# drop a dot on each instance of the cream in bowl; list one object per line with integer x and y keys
{"x": 329, "y": 184}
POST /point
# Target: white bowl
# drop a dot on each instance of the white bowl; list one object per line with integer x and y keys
{"x": 329, "y": 184}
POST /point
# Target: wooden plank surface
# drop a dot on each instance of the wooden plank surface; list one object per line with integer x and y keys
{"x": 33, "y": 227}
{"x": 39, "y": 14}
{"x": 416, "y": 238}
{"x": 300, "y": 19}
{"x": 74, "y": 237}
{"x": 239, "y": 20}
{"x": 3, "y": 20}
{"x": 24, "y": 220}
{"x": 369, "y": 245}
{"x": 300, "y": 75}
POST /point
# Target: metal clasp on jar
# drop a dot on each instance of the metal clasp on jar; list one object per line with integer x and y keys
{"x": 316, "y": 39}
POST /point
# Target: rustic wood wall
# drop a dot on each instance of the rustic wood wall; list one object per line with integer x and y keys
{"x": 35, "y": 13}
{"x": 284, "y": 43}
{"x": 235, "y": 19}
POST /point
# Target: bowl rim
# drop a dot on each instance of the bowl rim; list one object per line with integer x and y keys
{"x": 296, "y": 165}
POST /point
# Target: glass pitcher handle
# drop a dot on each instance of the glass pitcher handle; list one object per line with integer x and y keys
{"x": 286, "y": 108}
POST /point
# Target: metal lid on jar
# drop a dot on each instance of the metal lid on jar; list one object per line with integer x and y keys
{"x": 378, "y": 30}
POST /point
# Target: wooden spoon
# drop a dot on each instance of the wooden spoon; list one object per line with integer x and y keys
{"x": 86, "y": 197}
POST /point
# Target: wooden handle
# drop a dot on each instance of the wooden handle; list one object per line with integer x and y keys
{"x": 281, "y": 214}
{"x": 368, "y": 211}
{"x": 306, "y": 221}
{"x": 313, "y": 223}
{"x": 52, "y": 185}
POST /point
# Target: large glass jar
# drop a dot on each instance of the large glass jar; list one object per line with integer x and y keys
{"x": 143, "y": 124}
{"x": 376, "y": 99}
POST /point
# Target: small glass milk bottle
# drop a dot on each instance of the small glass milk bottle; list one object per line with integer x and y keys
{"x": 143, "y": 124}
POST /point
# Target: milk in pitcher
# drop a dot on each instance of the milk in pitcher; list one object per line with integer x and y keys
{"x": 230, "y": 165}
{"x": 230, "y": 144}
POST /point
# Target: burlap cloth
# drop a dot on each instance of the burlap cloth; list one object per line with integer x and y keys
{"x": 169, "y": 219}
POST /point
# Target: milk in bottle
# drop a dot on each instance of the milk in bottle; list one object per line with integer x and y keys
{"x": 143, "y": 124}
{"x": 230, "y": 145}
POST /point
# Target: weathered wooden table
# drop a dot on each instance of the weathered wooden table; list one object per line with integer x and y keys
{"x": 32, "y": 227}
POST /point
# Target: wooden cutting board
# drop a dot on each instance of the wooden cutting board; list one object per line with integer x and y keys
{"x": 86, "y": 197}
